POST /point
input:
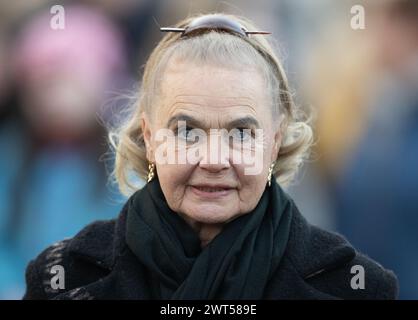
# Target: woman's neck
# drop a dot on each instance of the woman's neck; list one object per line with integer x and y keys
{"x": 205, "y": 231}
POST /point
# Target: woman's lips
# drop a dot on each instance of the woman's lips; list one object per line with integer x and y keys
{"x": 211, "y": 192}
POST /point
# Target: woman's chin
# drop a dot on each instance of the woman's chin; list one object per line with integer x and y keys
{"x": 210, "y": 213}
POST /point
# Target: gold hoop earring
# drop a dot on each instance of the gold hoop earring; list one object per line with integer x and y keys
{"x": 151, "y": 167}
{"x": 270, "y": 173}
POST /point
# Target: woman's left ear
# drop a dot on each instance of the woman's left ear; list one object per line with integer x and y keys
{"x": 276, "y": 145}
{"x": 277, "y": 138}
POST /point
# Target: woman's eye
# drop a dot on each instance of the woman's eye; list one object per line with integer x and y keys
{"x": 242, "y": 134}
{"x": 184, "y": 132}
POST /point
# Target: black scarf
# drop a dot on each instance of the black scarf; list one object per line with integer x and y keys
{"x": 237, "y": 264}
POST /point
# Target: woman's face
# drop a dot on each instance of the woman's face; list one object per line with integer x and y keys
{"x": 217, "y": 185}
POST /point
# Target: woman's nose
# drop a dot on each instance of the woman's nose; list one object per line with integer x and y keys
{"x": 214, "y": 166}
{"x": 216, "y": 156}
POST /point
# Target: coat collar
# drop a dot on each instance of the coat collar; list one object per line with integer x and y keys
{"x": 101, "y": 242}
{"x": 309, "y": 251}
{"x": 312, "y": 250}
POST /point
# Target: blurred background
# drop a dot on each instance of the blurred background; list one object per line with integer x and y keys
{"x": 58, "y": 89}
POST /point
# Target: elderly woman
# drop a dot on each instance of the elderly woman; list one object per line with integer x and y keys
{"x": 216, "y": 135}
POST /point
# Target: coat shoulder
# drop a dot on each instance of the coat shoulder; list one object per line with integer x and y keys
{"x": 359, "y": 278}
{"x": 83, "y": 259}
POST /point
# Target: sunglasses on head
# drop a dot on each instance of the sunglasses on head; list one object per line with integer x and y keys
{"x": 213, "y": 22}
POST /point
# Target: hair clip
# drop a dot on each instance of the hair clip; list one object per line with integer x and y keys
{"x": 213, "y": 22}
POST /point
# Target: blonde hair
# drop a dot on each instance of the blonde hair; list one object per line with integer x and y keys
{"x": 222, "y": 49}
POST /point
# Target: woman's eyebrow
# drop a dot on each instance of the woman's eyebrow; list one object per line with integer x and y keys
{"x": 183, "y": 117}
{"x": 244, "y": 122}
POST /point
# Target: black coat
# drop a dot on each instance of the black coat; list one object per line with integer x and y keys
{"x": 99, "y": 265}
